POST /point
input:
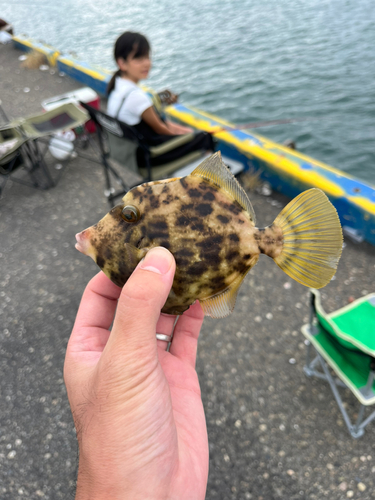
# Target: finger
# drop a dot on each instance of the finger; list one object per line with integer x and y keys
{"x": 165, "y": 326}
{"x": 98, "y": 303}
{"x": 141, "y": 301}
{"x": 95, "y": 314}
{"x": 186, "y": 333}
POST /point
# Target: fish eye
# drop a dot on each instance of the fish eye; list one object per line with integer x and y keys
{"x": 130, "y": 213}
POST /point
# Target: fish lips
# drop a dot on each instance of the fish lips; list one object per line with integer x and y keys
{"x": 83, "y": 244}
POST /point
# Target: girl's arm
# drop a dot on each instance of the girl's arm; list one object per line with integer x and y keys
{"x": 150, "y": 116}
{"x": 168, "y": 128}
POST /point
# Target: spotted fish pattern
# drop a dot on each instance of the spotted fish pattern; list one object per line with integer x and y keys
{"x": 205, "y": 220}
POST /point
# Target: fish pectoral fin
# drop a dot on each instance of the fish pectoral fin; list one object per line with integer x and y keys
{"x": 213, "y": 169}
{"x": 223, "y": 303}
{"x": 134, "y": 255}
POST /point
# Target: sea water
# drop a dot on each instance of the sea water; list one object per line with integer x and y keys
{"x": 244, "y": 60}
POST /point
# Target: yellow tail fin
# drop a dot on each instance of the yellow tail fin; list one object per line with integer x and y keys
{"x": 312, "y": 239}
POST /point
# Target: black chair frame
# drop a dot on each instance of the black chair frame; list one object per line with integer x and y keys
{"x": 107, "y": 124}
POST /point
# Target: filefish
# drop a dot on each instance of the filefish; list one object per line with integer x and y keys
{"x": 207, "y": 222}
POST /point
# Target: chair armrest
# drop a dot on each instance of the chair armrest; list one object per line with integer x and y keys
{"x": 174, "y": 143}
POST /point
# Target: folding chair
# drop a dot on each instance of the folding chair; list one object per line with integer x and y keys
{"x": 19, "y": 143}
{"x": 344, "y": 342}
{"x": 16, "y": 151}
{"x": 118, "y": 143}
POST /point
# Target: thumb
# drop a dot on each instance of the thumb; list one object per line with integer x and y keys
{"x": 141, "y": 301}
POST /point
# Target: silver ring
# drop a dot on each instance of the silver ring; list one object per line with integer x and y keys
{"x": 166, "y": 338}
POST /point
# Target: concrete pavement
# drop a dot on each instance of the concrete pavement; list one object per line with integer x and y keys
{"x": 274, "y": 433}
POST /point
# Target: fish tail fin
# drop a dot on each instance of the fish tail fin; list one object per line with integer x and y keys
{"x": 312, "y": 239}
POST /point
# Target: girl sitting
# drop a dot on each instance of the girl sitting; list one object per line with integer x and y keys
{"x": 130, "y": 104}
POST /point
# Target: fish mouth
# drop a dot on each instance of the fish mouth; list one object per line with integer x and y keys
{"x": 83, "y": 243}
{"x": 79, "y": 247}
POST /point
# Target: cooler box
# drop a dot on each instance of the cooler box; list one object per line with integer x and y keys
{"x": 85, "y": 94}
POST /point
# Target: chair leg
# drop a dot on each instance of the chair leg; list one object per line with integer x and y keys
{"x": 110, "y": 191}
{"x": 361, "y": 425}
{"x": 357, "y": 426}
{"x": 118, "y": 179}
{"x": 310, "y": 365}
{"x": 43, "y": 166}
{"x": 311, "y": 371}
{"x": 6, "y": 173}
{"x": 32, "y": 152}
{"x": 11, "y": 168}
{"x": 356, "y": 430}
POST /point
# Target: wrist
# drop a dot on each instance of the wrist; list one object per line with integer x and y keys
{"x": 104, "y": 483}
{"x": 98, "y": 483}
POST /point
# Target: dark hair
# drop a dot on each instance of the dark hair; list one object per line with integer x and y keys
{"x": 126, "y": 44}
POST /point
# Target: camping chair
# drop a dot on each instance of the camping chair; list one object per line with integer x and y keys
{"x": 16, "y": 151}
{"x": 118, "y": 143}
{"x": 19, "y": 143}
{"x": 345, "y": 342}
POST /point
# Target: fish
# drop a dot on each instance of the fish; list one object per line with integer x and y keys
{"x": 207, "y": 222}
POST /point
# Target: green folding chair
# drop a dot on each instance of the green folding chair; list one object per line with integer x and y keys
{"x": 344, "y": 342}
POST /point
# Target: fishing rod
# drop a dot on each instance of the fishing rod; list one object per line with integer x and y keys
{"x": 261, "y": 124}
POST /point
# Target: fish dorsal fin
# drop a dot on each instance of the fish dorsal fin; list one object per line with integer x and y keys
{"x": 214, "y": 170}
{"x": 223, "y": 303}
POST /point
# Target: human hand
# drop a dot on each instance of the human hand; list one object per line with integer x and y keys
{"x": 177, "y": 129}
{"x": 137, "y": 408}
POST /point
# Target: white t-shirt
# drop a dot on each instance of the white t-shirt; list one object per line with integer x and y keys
{"x": 136, "y": 101}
